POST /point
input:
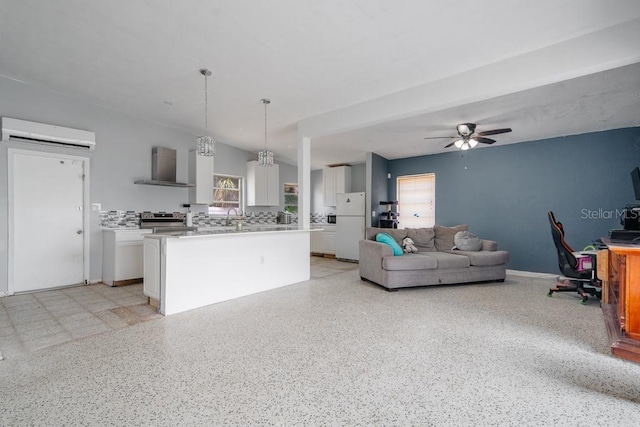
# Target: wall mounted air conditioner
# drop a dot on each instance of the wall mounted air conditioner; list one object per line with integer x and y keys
{"x": 25, "y": 131}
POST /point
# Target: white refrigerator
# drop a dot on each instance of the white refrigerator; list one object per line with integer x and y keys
{"x": 350, "y": 211}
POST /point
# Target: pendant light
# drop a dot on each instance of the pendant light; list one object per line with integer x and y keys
{"x": 206, "y": 145}
{"x": 265, "y": 157}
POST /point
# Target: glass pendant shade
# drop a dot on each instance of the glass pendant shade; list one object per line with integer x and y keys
{"x": 465, "y": 146}
{"x": 473, "y": 143}
{"x": 458, "y": 143}
{"x": 205, "y": 145}
{"x": 265, "y": 157}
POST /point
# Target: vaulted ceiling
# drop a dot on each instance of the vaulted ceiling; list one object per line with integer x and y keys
{"x": 356, "y": 76}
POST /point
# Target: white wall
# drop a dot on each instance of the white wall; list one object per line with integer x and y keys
{"x": 122, "y": 155}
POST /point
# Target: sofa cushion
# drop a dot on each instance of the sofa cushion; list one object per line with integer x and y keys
{"x": 397, "y": 234}
{"x": 485, "y": 258}
{"x": 447, "y": 259}
{"x": 388, "y": 240}
{"x": 409, "y": 262}
{"x": 444, "y": 236}
{"x": 466, "y": 241}
{"x": 423, "y": 238}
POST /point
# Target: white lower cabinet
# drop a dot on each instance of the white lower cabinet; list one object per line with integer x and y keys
{"x": 122, "y": 256}
{"x": 323, "y": 242}
{"x": 316, "y": 242}
{"x": 329, "y": 242}
{"x": 152, "y": 268}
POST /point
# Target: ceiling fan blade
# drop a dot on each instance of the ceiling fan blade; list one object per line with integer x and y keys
{"x": 449, "y": 145}
{"x": 439, "y": 137}
{"x": 484, "y": 140}
{"x": 494, "y": 132}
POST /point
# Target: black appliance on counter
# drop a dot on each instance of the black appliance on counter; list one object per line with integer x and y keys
{"x": 164, "y": 221}
{"x": 388, "y": 219}
{"x": 630, "y": 218}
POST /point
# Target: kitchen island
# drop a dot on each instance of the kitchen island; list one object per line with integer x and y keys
{"x": 190, "y": 269}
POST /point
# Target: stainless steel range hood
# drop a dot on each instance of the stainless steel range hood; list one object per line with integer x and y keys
{"x": 163, "y": 169}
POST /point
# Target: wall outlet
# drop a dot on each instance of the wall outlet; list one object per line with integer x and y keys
{"x": 373, "y": 214}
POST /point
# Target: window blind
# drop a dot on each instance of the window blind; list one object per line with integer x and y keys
{"x": 416, "y": 200}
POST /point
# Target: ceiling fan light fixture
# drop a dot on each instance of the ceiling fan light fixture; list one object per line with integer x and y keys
{"x": 465, "y": 146}
{"x": 458, "y": 143}
{"x": 472, "y": 143}
{"x": 466, "y": 129}
{"x": 463, "y": 129}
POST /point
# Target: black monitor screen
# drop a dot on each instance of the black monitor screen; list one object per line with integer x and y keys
{"x": 635, "y": 178}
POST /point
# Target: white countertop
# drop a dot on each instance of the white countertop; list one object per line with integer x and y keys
{"x": 326, "y": 227}
{"x": 128, "y": 230}
{"x": 218, "y": 231}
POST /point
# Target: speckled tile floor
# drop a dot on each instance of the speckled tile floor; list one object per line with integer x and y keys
{"x": 338, "y": 351}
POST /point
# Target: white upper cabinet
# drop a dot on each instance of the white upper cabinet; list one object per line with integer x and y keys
{"x": 263, "y": 184}
{"x": 335, "y": 180}
{"x": 200, "y": 174}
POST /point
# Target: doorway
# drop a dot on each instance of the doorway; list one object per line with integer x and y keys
{"x": 48, "y": 220}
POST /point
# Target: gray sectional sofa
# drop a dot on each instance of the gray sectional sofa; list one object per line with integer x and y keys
{"x": 437, "y": 262}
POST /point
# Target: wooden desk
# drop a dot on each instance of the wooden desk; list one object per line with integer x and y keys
{"x": 619, "y": 269}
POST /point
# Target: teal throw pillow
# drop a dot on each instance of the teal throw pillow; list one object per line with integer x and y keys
{"x": 388, "y": 240}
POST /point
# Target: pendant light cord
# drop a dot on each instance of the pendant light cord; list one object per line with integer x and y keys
{"x": 266, "y": 102}
{"x": 206, "y": 103}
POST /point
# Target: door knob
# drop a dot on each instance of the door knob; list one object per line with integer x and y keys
{"x": 79, "y": 232}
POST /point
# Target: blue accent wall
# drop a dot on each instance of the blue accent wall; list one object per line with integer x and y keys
{"x": 379, "y": 186}
{"x": 504, "y": 192}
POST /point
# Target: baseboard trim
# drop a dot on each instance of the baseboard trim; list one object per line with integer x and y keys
{"x": 3, "y": 294}
{"x": 522, "y": 273}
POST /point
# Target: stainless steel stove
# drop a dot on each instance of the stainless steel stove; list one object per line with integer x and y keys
{"x": 162, "y": 222}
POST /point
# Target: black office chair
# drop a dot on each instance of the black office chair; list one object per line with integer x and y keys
{"x": 578, "y": 268}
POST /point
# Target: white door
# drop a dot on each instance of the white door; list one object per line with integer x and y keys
{"x": 46, "y": 199}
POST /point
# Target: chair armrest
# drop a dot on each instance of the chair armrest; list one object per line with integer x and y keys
{"x": 489, "y": 245}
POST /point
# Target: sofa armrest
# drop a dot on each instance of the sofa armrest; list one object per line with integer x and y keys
{"x": 370, "y": 260}
{"x": 370, "y": 249}
{"x": 489, "y": 245}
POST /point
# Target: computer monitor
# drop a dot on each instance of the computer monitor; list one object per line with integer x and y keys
{"x": 635, "y": 179}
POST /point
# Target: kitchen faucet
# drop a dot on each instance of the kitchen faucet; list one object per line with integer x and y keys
{"x": 228, "y": 221}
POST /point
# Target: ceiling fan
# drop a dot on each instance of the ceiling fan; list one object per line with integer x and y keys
{"x": 467, "y": 138}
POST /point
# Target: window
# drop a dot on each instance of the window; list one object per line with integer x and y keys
{"x": 227, "y": 194}
{"x": 291, "y": 197}
{"x": 416, "y": 200}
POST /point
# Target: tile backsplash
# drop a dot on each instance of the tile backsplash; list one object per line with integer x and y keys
{"x": 119, "y": 219}
{"x": 131, "y": 219}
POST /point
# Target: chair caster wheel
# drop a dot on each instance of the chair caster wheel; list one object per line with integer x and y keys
{"x": 550, "y": 294}
{"x": 584, "y": 300}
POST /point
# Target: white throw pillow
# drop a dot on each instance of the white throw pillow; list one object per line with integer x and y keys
{"x": 466, "y": 241}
